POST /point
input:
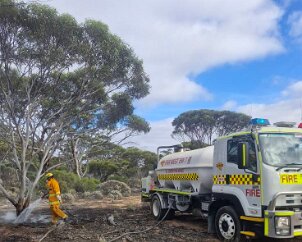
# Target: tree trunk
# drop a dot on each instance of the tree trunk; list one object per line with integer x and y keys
{"x": 75, "y": 156}
{"x": 21, "y": 205}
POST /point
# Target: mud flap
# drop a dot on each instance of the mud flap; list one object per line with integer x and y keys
{"x": 211, "y": 224}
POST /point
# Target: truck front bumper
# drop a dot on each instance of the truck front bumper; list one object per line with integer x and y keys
{"x": 282, "y": 223}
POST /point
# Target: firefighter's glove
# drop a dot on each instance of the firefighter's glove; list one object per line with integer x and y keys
{"x": 59, "y": 198}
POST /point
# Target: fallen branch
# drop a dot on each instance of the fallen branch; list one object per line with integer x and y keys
{"x": 49, "y": 231}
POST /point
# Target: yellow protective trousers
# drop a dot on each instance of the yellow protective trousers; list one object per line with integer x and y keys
{"x": 56, "y": 213}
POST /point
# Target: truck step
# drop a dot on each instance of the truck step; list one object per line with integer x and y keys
{"x": 248, "y": 233}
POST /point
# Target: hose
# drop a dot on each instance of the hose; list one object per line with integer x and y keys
{"x": 144, "y": 231}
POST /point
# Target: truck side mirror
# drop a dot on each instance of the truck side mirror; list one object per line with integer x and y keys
{"x": 243, "y": 155}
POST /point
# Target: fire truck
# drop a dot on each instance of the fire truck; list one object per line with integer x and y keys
{"x": 247, "y": 184}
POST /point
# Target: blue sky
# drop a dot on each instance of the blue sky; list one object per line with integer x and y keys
{"x": 237, "y": 55}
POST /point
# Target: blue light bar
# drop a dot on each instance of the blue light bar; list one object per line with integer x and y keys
{"x": 259, "y": 122}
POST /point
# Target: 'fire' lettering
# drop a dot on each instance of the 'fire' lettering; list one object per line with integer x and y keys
{"x": 289, "y": 179}
{"x": 252, "y": 193}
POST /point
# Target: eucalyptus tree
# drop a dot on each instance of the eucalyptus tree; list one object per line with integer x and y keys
{"x": 200, "y": 126}
{"x": 125, "y": 163}
{"x": 58, "y": 79}
{"x": 83, "y": 147}
{"x": 230, "y": 122}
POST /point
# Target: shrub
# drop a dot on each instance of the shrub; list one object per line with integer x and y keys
{"x": 86, "y": 185}
{"x": 79, "y": 195}
{"x": 116, "y": 177}
{"x": 67, "y": 197}
{"x": 86, "y": 194}
{"x": 116, "y": 195}
{"x": 97, "y": 195}
{"x": 113, "y": 185}
{"x": 73, "y": 192}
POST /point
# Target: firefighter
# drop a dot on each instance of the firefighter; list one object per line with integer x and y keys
{"x": 54, "y": 197}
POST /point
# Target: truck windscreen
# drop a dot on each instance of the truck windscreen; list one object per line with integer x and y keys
{"x": 281, "y": 149}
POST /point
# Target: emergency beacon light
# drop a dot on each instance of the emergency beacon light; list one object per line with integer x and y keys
{"x": 259, "y": 122}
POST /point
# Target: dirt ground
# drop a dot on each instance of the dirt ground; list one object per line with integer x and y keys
{"x": 89, "y": 223}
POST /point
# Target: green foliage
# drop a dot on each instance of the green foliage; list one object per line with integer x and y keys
{"x": 137, "y": 123}
{"x": 122, "y": 164}
{"x": 67, "y": 180}
{"x": 4, "y": 149}
{"x": 140, "y": 160}
{"x": 116, "y": 110}
{"x": 194, "y": 145}
{"x": 120, "y": 178}
{"x": 9, "y": 177}
{"x": 86, "y": 184}
{"x": 102, "y": 169}
{"x": 200, "y": 126}
{"x": 70, "y": 182}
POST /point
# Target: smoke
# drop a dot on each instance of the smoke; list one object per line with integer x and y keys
{"x": 43, "y": 219}
{"x": 26, "y": 216}
{"x": 8, "y": 217}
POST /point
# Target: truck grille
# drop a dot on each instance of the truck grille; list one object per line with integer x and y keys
{"x": 292, "y": 200}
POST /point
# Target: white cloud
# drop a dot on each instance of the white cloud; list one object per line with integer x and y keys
{"x": 160, "y": 135}
{"x": 295, "y": 22}
{"x": 287, "y": 109}
{"x": 229, "y": 105}
{"x": 177, "y": 39}
{"x": 294, "y": 90}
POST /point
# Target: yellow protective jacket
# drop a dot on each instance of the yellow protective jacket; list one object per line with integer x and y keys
{"x": 53, "y": 191}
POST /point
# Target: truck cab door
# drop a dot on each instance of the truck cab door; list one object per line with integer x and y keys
{"x": 242, "y": 182}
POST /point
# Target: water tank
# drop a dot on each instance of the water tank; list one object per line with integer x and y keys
{"x": 187, "y": 171}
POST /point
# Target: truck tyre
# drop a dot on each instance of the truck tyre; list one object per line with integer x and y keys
{"x": 158, "y": 212}
{"x": 227, "y": 224}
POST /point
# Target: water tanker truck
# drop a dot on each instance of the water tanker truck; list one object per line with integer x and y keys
{"x": 248, "y": 184}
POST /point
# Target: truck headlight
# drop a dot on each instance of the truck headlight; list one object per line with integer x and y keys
{"x": 282, "y": 225}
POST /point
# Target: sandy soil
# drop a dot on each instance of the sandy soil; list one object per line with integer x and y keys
{"x": 88, "y": 222}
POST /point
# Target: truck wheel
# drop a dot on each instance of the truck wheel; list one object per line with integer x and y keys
{"x": 158, "y": 212}
{"x": 227, "y": 224}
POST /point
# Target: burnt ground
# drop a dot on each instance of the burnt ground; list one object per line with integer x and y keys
{"x": 89, "y": 223}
